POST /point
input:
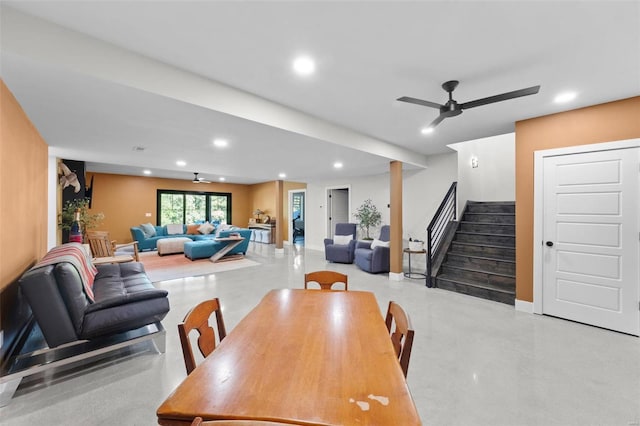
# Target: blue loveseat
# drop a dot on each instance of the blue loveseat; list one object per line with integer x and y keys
{"x": 150, "y": 243}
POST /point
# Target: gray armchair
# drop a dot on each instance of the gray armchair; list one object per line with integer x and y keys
{"x": 373, "y": 260}
{"x": 341, "y": 253}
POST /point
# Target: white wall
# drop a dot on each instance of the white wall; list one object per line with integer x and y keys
{"x": 423, "y": 190}
{"x": 494, "y": 178}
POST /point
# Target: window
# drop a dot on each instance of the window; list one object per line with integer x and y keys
{"x": 298, "y": 205}
{"x": 192, "y": 207}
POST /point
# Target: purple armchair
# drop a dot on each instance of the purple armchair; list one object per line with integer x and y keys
{"x": 341, "y": 253}
{"x": 373, "y": 260}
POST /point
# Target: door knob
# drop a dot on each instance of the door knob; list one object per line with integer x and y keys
{"x": 549, "y": 243}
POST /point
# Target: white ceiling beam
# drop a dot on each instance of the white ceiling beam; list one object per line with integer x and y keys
{"x": 54, "y": 45}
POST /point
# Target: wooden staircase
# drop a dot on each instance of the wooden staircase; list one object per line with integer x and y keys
{"x": 480, "y": 261}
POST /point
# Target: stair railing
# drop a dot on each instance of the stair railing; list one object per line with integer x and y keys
{"x": 435, "y": 231}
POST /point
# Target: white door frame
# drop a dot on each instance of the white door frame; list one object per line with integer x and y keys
{"x": 290, "y": 209}
{"x": 326, "y": 201}
{"x": 538, "y": 205}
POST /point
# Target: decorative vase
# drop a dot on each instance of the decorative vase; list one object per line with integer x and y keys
{"x": 416, "y": 245}
{"x": 75, "y": 232}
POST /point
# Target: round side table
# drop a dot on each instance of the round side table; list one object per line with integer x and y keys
{"x": 410, "y": 273}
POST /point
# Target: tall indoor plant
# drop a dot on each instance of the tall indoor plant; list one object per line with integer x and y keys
{"x": 368, "y": 216}
{"x": 88, "y": 220}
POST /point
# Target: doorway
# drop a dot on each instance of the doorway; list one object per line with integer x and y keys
{"x": 588, "y": 252}
{"x": 297, "y": 206}
{"x": 338, "y": 207}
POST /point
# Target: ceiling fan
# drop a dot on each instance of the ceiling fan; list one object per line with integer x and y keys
{"x": 197, "y": 179}
{"x": 453, "y": 108}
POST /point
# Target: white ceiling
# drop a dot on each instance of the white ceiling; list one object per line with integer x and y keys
{"x": 171, "y": 76}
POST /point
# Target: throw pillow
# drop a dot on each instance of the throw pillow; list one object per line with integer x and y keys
{"x": 148, "y": 230}
{"x": 223, "y": 227}
{"x": 342, "y": 240}
{"x": 192, "y": 229}
{"x": 379, "y": 243}
{"x": 175, "y": 229}
{"x": 205, "y": 228}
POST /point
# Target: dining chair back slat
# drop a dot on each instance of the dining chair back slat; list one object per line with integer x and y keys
{"x": 401, "y": 334}
{"x": 326, "y": 279}
{"x": 198, "y": 319}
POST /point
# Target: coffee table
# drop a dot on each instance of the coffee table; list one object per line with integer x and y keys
{"x": 229, "y": 244}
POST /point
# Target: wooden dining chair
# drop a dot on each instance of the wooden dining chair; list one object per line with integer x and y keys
{"x": 199, "y": 422}
{"x": 326, "y": 279}
{"x": 198, "y": 319}
{"x": 102, "y": 246}
{"x": 401, "y": 334}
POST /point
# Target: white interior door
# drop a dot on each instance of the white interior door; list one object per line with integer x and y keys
{"x": 338, "y": 208}
{"x": 591, "y": 238}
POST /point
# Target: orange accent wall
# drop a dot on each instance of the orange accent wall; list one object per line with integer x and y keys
{"x": 263, "y": 197}
{"x": 607, "y": 122}
{"x": 23, "y": 190}
{"x": 125, "y": 200}
{"x": 23, "y": 208}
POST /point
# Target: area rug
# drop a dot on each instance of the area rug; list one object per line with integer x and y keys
{"x": 174, "y": 266}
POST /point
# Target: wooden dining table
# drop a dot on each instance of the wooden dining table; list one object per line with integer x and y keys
{"x": 308, "y": 357}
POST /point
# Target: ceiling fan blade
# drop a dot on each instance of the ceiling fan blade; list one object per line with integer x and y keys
{"x": 437, "y": 121}
{"x": 502, "y": 97}
{"x": 419, "y": 102}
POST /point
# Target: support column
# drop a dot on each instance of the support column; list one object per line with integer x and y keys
{"x": 280, "y": 223}
{"x": 395, "y": 245}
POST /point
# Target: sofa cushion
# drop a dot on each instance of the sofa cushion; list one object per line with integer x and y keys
{"x": 77, "y": 256}
{"x": 379, "y": 243}
{"x": 125, "y": 299}
{"x": 148, "y": 230}
{"x": 206, "y": 228}
{"x": 175, "y": 228}
{"x": 193, "y": 229}
{"x": 342, "y": 240}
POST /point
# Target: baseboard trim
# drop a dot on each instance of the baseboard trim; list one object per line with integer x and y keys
{"x": 279, "y": 250}
{"x": 396, "y": 276}
{"x": 524, "y": 306}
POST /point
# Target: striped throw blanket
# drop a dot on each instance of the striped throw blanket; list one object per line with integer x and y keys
{"x": 77, "y": 256}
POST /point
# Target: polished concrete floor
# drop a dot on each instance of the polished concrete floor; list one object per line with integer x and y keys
{"x": 474, "y": 362}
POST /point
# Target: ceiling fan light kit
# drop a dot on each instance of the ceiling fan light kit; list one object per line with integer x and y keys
{"x": 197, "y": 179}
{"x": 452, "y": 108}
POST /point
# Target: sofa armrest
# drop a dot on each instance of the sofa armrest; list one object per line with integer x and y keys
{"x": 137, "y": 234}
{"x": 380, "y": 259}
{"x": 126, "y": 298}
{"x": 364, "y": 244}
{"x": 327, "y": 241}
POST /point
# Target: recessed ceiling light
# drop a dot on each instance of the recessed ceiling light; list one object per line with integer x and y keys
{"x": 282, "y": 175}
{"x": 337, "y": 165}
{"x": 220, "y": 143}
{"x": 181, "y": 163}
{"x": 426, "y": 130}
{"x": 565, "y": 97}
{"x": 304, "y": 65}
{"x": 221, "y": 179}
{"x": 146, "y": 172}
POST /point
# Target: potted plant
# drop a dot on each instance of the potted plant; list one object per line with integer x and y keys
{"x": 87, "y": 220}
{"x": 368, "y": 216}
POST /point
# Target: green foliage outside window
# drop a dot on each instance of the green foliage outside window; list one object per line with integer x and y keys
{"x": 191, "y": 207}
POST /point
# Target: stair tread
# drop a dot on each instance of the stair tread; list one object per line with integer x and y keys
{"x": 481, "y": 257}
{"x": 466, "y": 243}
{"x": 492, "y": 213}
{"x": 486, "y": 286}
{"x": 510, "y": 203}
{"x": 485, "y": 233}
{"x": 487, "y": 223}
{"x": 502, "y": 274}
